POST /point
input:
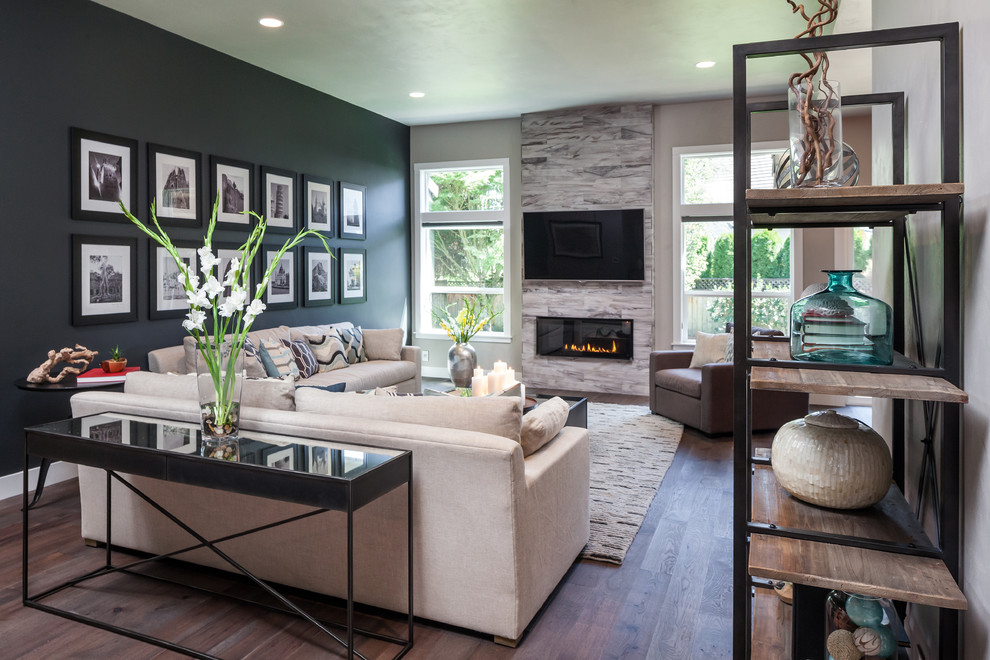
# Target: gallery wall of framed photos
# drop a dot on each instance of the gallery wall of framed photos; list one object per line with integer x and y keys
{"x": 162, "y": 118}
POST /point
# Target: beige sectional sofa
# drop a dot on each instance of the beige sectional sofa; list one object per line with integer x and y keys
{"x": 495, "y": 530}
{"x": 389, "y": 362}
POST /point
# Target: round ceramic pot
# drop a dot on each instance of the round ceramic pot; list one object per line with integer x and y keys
{"x": 461, "y": 363}
{"x": 832, "y": 460}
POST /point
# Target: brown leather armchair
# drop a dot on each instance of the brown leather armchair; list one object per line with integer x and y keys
{"x": 702, "y": 398}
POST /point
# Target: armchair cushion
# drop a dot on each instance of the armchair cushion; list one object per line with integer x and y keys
{"x": 685, "y": 381}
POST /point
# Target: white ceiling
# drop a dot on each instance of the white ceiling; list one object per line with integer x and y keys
{"x": 489, "y": 59}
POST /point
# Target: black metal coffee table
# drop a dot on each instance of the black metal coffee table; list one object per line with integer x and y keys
{"x": 577, "y": 405}
{"x": 344, "y": 477}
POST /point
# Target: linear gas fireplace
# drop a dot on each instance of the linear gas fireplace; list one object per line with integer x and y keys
{"x": 584, "y": 338}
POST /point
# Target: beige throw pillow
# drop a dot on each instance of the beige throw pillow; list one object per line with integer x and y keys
{"x": 384, "y": 344}
{"x": 709, "y": 349}
{"x": 542, "y": 424}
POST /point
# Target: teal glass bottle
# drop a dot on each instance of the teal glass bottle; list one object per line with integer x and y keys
{"x": 842, "y": 325}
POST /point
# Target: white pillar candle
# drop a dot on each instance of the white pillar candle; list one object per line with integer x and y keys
{"x": 492, "y": 383}
{"x": 499, "y": 366}
{"x": 479, "y": 371}
{"x": 522, "y": 393}
{"x": 479, "y": 386}
{"x": 511, "y": 376}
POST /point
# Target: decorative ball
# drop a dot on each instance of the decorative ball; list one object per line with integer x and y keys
{"x": 832, "y": 460}
{"x": 864, "y": 611}
{"x": 841, "y": 646}
{"x": 888, "y": 643}
{"x": 867, "y": 640}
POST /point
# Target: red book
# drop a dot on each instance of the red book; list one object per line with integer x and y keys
{"x": 97, "y": 375}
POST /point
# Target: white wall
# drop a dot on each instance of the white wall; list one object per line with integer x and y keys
{"x": 472, "y": 141}
{"x": 910, "y": 69}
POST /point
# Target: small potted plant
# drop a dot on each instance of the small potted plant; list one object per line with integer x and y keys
{"x": 116, "y": 363}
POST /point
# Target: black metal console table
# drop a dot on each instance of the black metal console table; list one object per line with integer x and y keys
{"x": 337, "y": 477}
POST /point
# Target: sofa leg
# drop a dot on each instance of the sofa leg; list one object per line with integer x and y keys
{"x": 94, "y": 544}
{"x": 505, "y": 641}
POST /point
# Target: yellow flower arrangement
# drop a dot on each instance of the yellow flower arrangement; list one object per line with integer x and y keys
{"x": 472, "y": 317}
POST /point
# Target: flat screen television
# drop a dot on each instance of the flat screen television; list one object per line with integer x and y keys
{"x": 584, "y": 245}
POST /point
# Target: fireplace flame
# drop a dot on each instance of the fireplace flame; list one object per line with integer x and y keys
{"x": 588, "y": 348}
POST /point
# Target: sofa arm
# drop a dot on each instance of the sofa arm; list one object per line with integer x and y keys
{"x": 165, "y": 360}
{"x": 414, "y": 354}
{"x": 669, "y": 360}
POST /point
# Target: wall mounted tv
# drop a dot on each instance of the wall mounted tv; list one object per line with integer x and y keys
{"x": 584, "y": 245}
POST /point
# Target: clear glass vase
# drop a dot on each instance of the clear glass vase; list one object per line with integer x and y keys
{"x": 842, "y": 325}
{"x": 219, "y": 378}
{"x": 858, "y": 626}
{"x": 815, "y": 121}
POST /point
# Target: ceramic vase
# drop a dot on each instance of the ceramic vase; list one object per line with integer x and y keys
{"x": 832, "y": 460}
{"x": 814, "y": 110}
{"x": 219, "y": 381}
{"x": 842, "y": 325}
{"x": 461, "y": 363}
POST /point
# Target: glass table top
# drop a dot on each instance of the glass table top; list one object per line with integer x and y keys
{"x": 302, "y": 455}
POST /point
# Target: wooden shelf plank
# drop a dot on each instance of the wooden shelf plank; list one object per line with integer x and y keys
{"x": 848, "y": 383}
{"x": 889, "y": 520}
{"x": 825, "y": 219}
{"x": 771, "y": 626}
{"x": 869, "y": 572}
{"x": 899, "y": 197}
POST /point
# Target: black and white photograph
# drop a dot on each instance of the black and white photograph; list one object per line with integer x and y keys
{"x": 318, "y": 203}
{"x": 319, "y": 460}
{"x": 352, "y": 211}
{"x": 232, "y": 180}
{"x": 177, "y": 437}
{"x": 104, "y": 174}
{"x": 283, "y": 458}
{"x": 320, "y": 277}
{"x": 104, "y": 272}
{"x": 104, "y": 429}
{"x": 168, "y": 292}
{"x": 174, "y": 176}
{"x": 279, "y": 188}
{"x": 353, "y": 276}
{"x": 281, "y": 290}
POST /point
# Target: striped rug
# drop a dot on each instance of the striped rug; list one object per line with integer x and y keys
{"x": 631, "y": 449}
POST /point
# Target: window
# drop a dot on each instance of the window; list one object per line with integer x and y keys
{"x": 461, "y": 241}
{"x": 703, "y": 279}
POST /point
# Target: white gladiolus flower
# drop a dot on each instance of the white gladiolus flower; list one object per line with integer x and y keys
{"x": 234, "y": 303}
{"x": 194, "y": 320}
{"x": 207, "y": 260}
{"x": 193, "y": 280}
{"x": 254, "y": 309}
{"x": 197, "y": 298}
{"x": 232, "y": 272}
{"x": 212, "y": 288}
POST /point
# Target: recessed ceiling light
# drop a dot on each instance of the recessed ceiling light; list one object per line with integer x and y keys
{"x": 707, "y": 64}
{"x": 270, "y": 22}
{"x": 417, "y": 95}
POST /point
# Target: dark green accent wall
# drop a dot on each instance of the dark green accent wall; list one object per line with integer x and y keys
{"x": 74, "y": 63}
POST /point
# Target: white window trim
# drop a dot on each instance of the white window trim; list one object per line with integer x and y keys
{"x": 422, "y": 217}
{"x": 681, "y": 211}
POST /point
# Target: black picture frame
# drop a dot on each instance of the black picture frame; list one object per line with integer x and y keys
{"x": 104, "y": 173}
{"x": 175, "y": 179}
{"x": 352, "y": 211}
{"x": 236, "y": 179}
{"x": 320, "y": 284}
{"x": 318, "y": 204}
{"x": 274, "y": 456}
{"x": 225, "y": 252}
{"x": 104, "y": 279}
{"x": 166, "y": 293}
{"x": 353, "y": 283}
{"x": 279, "y": 195}
{"x": 282, "y": 291}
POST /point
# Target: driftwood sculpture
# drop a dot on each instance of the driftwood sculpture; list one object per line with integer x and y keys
{"x": 821, "y": 148}
{"x": 77, "y": 359}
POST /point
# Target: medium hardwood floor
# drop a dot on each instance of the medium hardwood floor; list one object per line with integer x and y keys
{"x": 670, "y": 599}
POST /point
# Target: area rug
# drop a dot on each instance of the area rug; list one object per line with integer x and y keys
{"x": 631, "y": 449}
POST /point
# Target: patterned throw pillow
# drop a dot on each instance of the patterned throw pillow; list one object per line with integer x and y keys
{"x": 353, "y": 340}
{"x": 252, "y": 360}
{"x": 329, "y": 351}
{"x": 305, "y": 360}
{"x": 277, "y": 359}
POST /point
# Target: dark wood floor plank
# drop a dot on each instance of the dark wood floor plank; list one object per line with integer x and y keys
{"x": 670, "y": 599}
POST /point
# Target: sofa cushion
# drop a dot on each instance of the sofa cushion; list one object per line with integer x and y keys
{"x": 301, "y": 353}
{"x": 368, "y": 375}
{"x": 542, "y": 424}
{"x": 278, "y": 359}
{"x": 709, "y": 348}
{"x": 384, "y": 344}
{"x": 328, "y": 351}
{"x": 353, "y": 340}
{"x": 685, "y": 381}
{"x": 271, "y": 393}
{"x": 497, "y": 415}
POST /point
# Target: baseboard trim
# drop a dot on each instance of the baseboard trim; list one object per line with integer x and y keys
{"x": 12, "y": 484}
{"x": 436, "y": 372}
